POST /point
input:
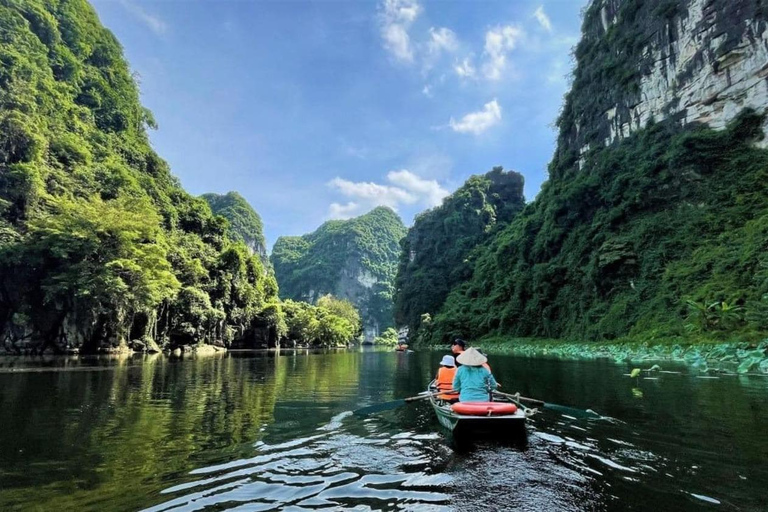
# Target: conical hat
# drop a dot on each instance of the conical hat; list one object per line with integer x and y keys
{"x": 471, "y": 357}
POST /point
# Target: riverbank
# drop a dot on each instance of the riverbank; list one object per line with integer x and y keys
{"x": 736, "y": 357}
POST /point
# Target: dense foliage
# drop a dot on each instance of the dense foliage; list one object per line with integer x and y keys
{"x": 435, "y": 253}
{"x": 244, "y": 222}
{"x": 388, "y": 337}
{"x": 661, "y": 235}
{"x": 99, "y": 244}
{"x": 332, "y": 323}
{"x": 352, "y": 259}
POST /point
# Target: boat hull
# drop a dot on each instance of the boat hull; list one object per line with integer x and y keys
{"x": 461, "y": 424}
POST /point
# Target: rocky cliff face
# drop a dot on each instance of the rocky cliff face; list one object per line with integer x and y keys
{"x": 695, "y": 61}
{"x": 354, "y": 259}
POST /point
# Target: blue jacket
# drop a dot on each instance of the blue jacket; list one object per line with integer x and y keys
{"x": 472, "y": 383}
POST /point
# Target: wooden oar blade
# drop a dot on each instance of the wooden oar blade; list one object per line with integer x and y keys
{"x": 372, "y": 409}
{"x": 562, "y": 409}
{"x": 571, "y": 411}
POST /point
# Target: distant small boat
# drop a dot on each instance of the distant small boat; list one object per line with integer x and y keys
{"x": 401, "y": 348}
{"x": 503, "y": 417}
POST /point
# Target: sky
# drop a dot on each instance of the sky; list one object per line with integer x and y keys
{"x": 318, "y": 110}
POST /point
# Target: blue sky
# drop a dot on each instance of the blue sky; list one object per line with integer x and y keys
{"x": 326, "y": 109}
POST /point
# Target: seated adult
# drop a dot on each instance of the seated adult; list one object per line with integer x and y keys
{"x": 457, "y": 347}
{"x": 444, "y": 379}
{"x": 473, "y": 382}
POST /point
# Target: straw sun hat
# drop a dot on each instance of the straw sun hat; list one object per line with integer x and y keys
{"x": 448, "y": 361}
{"x": 471, "y": 357}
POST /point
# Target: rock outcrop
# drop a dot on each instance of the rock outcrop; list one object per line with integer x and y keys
{"x": 352, "y": 259}
{"x": 435, "y": 253}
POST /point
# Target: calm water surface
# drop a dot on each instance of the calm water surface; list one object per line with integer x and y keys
{"x": 252, "y": 432}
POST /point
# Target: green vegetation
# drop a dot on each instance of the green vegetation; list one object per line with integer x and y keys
{"x": 662, "y": 235}
{"x": 352, "y": 259}
{"x": 388, "y": 337}
{"x": 436, "y": 253}
{"x": 342, "y": 309}
{"x": 244, "y": 223}
{"x": 321, "y": 325}
{"x": 99, "y": 245}
{"x": 703, "y": 357}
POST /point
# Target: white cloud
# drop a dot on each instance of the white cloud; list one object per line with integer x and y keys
{"x": 543, "y": 19}
{"x": 442, "y": 39}
{"x": 427, "y": 91}
{"x": 499, "y": 42}
{"x": 478, "y": 122}
{"x": 465, "y": 69}
{"x": 153, "y": 22}
{"x": 373, "y": 192}
{"x": 404, "y": 188}
{"x": 397, "y": 16}
{"x": 429, "y": 191}
{"x": 343, "y": 211}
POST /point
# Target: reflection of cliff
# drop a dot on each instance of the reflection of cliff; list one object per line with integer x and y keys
{"x": 319, "y": 377}
{"x": 115, "y": 431}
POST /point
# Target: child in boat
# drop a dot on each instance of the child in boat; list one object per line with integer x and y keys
{"x": 473, "y": 382}
{"x": 444, "y": 379}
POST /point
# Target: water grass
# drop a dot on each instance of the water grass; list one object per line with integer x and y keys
{"x": 705, "y": 356}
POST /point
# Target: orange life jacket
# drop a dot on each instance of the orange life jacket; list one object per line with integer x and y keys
{"x": 444, "y": 382}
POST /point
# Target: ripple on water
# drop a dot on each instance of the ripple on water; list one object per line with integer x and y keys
{"x": 333, "y": 469}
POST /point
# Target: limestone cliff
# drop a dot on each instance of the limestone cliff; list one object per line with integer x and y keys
{"x": 100, "y": 247}
{"x": 695, "y": 61}
{"x": 352, "y": 259}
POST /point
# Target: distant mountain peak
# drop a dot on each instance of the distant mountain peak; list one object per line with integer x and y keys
{"x": 353, "y": 259}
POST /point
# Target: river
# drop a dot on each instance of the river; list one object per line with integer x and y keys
{"x": 266, "y": 431}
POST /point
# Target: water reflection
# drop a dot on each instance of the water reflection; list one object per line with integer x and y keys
{"x": 248, "y": 431}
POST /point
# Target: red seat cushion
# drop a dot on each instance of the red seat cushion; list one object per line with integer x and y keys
{"x": 484, "y": 408}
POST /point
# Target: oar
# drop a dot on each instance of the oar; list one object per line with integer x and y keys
{"x": 570, "y": 411}
{"x": 394, "y": 404}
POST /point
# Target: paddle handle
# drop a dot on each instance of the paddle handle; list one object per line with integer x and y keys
{"x": 533, "y": 401}
{"x": 428, "y": 395}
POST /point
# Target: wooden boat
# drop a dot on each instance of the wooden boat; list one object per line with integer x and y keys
{"x": 504, "y": 425}
{"x": 401, "y": 348}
